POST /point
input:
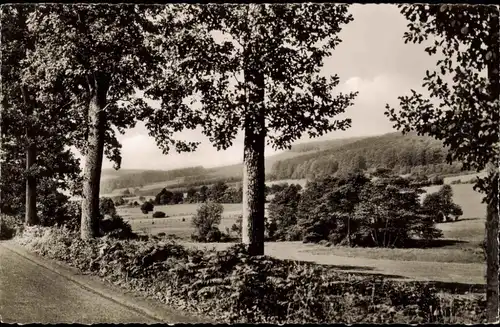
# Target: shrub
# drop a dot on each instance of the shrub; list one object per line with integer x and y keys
{"x": 437, "y": 180}
{"x": 159, "y": 214}
{"x": 146, "y": 207}
{"x": 217, "y": 191}
{"x": 206, "y": 220}
{"x": 106, "y": 207}
{"x": 233, "y": 287}
{"x": 236, "y": 227}
{"x": 116, "y": 227}
{"x": 9, "y": 226}
{"x": 118, "y": 201}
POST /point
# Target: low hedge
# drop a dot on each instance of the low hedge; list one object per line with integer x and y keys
{"x": 233, "y": 287}
{"x": 159, "y": 214}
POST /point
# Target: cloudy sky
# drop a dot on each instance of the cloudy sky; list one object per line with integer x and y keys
{"x": 372, "y": 59}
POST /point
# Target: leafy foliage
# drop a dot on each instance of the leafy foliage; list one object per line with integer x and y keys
{"x": 206, "y": 221}
{"x": 459, "y": 114}
{"x": 107, "y": 207}
{"x": 296, "y": 96}
{"x": 147, "y": 206}
{"x": 326, "y": 207}
{"x": 389, "y": 214}
{"x": 355, "y": 211}
{"x": 232, "y": 287}
{"x": 283, "y": 210}
{"x": 25, "y": 111}
{"x": 159, "y": 214}
{"x": 463, "y": 103}
{"x": 440, "y": 206}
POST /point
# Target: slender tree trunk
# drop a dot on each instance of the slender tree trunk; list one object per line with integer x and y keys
{"x": 93, "y": 159}
{"x": 253, "y": 164}
{"x": 492, "y": 293}
{"x": 30, "y": 217}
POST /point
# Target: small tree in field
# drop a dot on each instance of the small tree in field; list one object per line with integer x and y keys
{"x": 147, "y": 207}
{"x": 206, "y": 221}
{"x": 107, "y": 207}
{"x": 440, "y": 206}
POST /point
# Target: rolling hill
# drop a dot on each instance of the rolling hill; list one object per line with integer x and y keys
{"x": 402, "y": 153}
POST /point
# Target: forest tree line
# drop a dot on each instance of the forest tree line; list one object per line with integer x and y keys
{"x": 402, "y": 154}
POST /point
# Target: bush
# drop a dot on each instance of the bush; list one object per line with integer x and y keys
{"x": 112, "y": 225}
{"x": 106, "y": 207}
{"x": 118, "y": 201}
{"x": 116, "y": 227}
{"x": 236, "y": 227}
{"x": 146, "y": 207}
{"x": 206, "y": 220}
{"x": 159, "y": 214}
{"x": 9, "y": 226}
{"x": 437, "y": 180}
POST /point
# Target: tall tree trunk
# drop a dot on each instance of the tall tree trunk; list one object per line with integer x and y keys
{"x": 93, "y": 158}
{"x": 30, "y": 217}
{"x": 492, "y": 259}
{"x": 252, "y": 233}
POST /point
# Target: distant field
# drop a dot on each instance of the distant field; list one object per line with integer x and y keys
{"x": 464, "y": 195}
{"x": 173, "y": 224}
{"x": 460, "y": 256}
{"x": 468, "y": 235}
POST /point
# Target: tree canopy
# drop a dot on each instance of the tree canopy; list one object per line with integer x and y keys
{"x": 462, "y": 107}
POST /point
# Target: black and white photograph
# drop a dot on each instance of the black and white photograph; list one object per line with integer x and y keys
{"x": 249, "y": 162}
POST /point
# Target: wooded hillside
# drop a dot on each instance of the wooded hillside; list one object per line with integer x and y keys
{"x": 401, "y": 153}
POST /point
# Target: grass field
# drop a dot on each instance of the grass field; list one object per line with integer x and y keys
{"x": 459, "y": 255}
{"x": 178, "y": 221}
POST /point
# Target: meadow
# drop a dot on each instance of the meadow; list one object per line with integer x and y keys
{"x": 458, "y": 253}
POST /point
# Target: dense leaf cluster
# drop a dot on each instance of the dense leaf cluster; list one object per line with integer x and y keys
{"x": 356, "y": 211}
